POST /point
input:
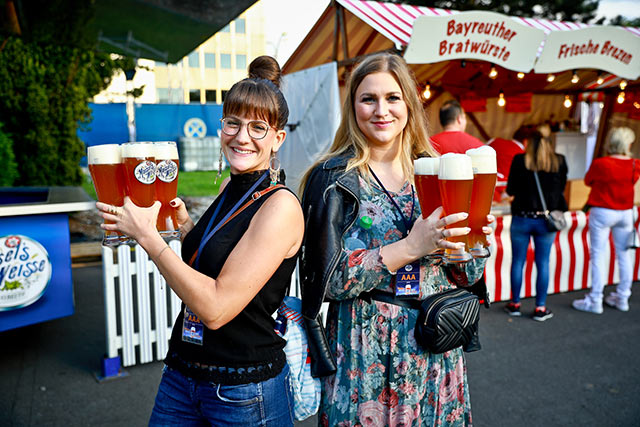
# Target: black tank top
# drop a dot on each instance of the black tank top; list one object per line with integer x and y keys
{"x": 246, "y": 349}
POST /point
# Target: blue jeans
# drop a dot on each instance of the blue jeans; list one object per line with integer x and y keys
{"x": 183, "y": 401}
{"x": 522, "y": 229}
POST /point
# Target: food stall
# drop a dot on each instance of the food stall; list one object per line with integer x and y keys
{"x": 538, "y": 69}
{"x": 35, "y": 258}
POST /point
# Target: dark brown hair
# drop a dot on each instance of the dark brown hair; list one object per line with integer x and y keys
{"x": 449, "y": 112}
{"x": 259, "y": 95}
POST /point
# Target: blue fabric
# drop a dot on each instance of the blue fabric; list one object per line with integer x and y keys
{"x": 522, "y": 230}
{"x": 183, "y": 401}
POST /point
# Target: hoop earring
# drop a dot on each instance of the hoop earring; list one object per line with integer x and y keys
{"x": 274, "y": 169}
{"x": 219, "y": 166}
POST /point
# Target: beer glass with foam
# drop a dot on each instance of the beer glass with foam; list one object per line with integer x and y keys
{"x": 167, "y": 166}
{"x": 428, "y": 189}
{"x": 140, "y": 172}
{"x": 107, "y": 173}
{"x": 456, "y": 182}
{"x": 483, "y": 161}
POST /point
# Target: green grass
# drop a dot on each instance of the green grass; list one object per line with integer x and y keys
{"x": 190, "y": 184}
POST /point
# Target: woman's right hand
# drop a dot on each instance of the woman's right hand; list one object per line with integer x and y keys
{"x": 185, "y": 223}
{"x": 429, "y": 234}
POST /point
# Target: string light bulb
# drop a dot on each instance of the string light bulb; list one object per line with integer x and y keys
{"x": 600, "y": 79}
{"x": 427, "y": 91}
{"x": 574, "y": 78}
{"x": 623, "y": 84}
{"x": 637, "y": 105}
{"x": 493, "y": 73}
{"x": 567, "y": 102}
{"x": 520, "y": 75}
{"x": 551, "y": 77}
{"x": 621, "y": 97}
{"x": 501, "y": 101}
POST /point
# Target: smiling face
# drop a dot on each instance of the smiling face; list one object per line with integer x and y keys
{"x": 380, "y": 109}
{"x": 247, "y": 154}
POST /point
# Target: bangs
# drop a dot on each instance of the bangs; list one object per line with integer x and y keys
{"x": 249, "y": 98}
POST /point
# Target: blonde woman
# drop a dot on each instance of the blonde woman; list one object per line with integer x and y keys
{"x": 611, "y": 179}
{"x": 364, "y": 224}
{"x": 528, "y": 221}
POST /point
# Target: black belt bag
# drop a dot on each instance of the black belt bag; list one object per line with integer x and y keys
{"x": 446, "y": 320}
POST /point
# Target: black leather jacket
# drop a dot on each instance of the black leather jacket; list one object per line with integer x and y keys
{"x": 330, "y": 203}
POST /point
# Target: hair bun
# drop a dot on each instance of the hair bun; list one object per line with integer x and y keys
{"x": 265, "y": 67}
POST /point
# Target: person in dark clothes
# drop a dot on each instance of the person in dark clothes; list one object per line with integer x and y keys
{"x": 225, "y": 364}
{"x": 528, "y": 216}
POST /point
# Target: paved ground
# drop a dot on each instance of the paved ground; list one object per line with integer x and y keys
{"x": 575, "y": 369}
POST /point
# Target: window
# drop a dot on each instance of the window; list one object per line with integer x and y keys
{"x": 224, "y": 95}
{"x": 194, "y": 96}
{"x": 209, "y": 60}
{"x": 241, "y": 62}
{"x": 194, "y": 59}
{"x": 225, "y": 60}
{"x": 226, "y": 29}
{"x": 163, "y": 95}
{"x": 240, "y": 26}
{"x": 210, "y": 96}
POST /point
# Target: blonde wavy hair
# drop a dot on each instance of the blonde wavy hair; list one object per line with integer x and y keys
{"x": 415, "y": 139}
{"x": 539, "y": 154}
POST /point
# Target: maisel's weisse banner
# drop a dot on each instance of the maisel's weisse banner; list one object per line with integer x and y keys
{"x": 606, "y": 48}
{"x": 485, "y": 36}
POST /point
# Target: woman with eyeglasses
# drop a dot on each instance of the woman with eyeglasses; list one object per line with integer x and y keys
{"x": 225, "y": 365}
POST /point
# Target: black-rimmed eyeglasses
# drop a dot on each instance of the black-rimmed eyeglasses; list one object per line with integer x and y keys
{"x": 257, "y": 129}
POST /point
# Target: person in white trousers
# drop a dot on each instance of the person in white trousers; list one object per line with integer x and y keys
{"x": 611, "y": 179}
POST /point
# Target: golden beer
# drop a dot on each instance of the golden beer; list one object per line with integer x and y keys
{"x": 456, "y": 184}
{"x": 140, "y": 172}
{"x": 167, "y": 166}
{"x": 107, "y": 173}
{"x": 428, "y": 189}
{"x": 483, "y": 161}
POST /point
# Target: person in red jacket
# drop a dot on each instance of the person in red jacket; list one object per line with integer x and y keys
{"x": 506, "y": 149}
{"x": 453, "y": 139}
{"x": 611, "y": 179}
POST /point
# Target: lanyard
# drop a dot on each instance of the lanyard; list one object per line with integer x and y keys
{"x": 208, "y": 233}
{"x": 407, "y": 223}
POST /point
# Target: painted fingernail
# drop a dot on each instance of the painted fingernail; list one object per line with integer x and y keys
{"x": 172, "y": 203}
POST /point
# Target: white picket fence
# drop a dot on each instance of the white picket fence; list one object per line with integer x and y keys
{"x": 139, "y": 306}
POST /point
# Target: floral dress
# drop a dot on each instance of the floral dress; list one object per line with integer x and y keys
{"x": 384, "y": 378}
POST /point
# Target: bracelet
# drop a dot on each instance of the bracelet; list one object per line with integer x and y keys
{"x": 160, "y": 253}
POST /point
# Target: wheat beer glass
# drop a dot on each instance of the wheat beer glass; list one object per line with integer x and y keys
{"x": 483, "y": 161}
{"x": 428, "y": 188}
{"x": 167, "y": 165}
{"x": 140, "y": 172}
{"x": 456, "y": 182}
{"x": 107, "y": 173}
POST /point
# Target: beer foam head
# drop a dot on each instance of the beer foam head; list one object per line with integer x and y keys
{"x": 138, "y": 149}
{"x": 454, "y": 166}
{"x": 426, "y": 166}
{"x": 483, "y": 159}
{"x": 105, "y": 154}
{"x": 165, "y": 150}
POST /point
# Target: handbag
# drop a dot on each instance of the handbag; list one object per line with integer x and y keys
{"x": 555, "y": 219}
{"x": 306, "y": 389}
{"x": 446, "y": 320}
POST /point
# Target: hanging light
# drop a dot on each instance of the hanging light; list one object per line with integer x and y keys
{"x": 493, "y": 73}
{"x": 601, "y": 105}
{"x": 600, "y": 78}
{"x": 520, "y": 75}
{"x": 551, "y": 77}
{"x": 567, "y": 102}
{"x": 623, "y": 84}
{"x": 574, "y": 78}
{"x": 637, "y": 105}
{"x": 427, "y": 91}
{"x": 463, "y": 63}
{"x": 621, "y": 97}
{"x": 501, "y": 101}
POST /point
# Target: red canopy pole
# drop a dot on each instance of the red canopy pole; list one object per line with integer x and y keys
{"x": 603, "y": 128}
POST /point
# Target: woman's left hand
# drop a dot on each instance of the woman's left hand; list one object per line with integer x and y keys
{"x": 132, "y": 220}
{"x": 488, "y": 229}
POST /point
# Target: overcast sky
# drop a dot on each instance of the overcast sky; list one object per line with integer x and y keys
{"x": 287, "y": 22}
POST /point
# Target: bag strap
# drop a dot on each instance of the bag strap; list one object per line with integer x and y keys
{"x": 255, "y": 196}
{"x": 544, "y": 204}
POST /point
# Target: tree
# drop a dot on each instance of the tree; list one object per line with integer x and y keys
{"x": 563, "y": 10}
{"x": 47, "y": 78}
